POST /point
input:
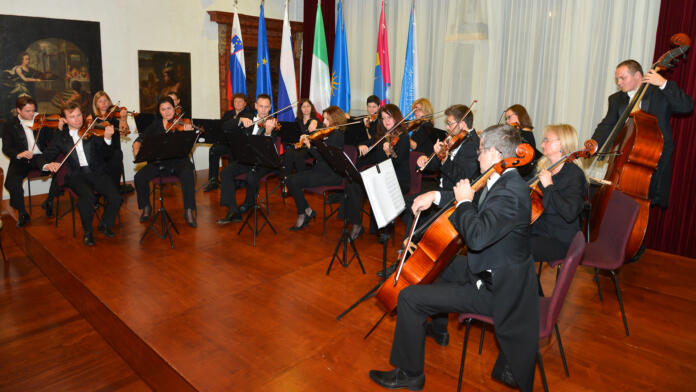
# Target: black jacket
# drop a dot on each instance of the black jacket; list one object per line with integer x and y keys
{"x": 401, "y": 162}
{"x": 14, "y": 140}
{"x": 661, "y": 104}
{"x": 425, "y": 137}
{"x": 96, "y": 151}
{"x": 230, "y": 120}
{"x": 464, "y": 165}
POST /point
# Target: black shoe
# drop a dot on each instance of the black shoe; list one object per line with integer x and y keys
{"x": 356, "y": 233}
{"x": 232, "y": 216}
{"x": 190, "y": 217}
{"x": 48, "y": 207}
{"x": 22, "y": 219}
{"x": 441, "y": 338}
{"x": 390, "y": 270}
{"x": 305, "y": 221}
{"x": 106, "y": 230}
{"x": 505, "y": 376}
{"x": 397, "y": 378}
{"x": 244, "y": 208}
{"x": 146, "y": 214}
{"x": 88, "y": 239}
{"x": 212, "y": 185}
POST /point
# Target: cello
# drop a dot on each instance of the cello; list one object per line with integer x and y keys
{"x": 633, "y": 148}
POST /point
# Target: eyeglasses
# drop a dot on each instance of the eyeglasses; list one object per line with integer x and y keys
{"x": 451, "y": 123}
{"x": 546, "y": 140}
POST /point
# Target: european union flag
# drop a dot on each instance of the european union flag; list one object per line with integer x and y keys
{"x": 340, "y": 77}
{"x": 263, "y": 69}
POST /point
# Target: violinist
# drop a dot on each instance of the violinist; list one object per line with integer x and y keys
{"x": 496, "y": 277}
{"x": 321, "y": 174}
{"x": 383, "y": 149}
{"x": 229, "y": 121}
{"x": 662, "y": 98}
{"x": 86, "y": 169}
{"x": 228, "y": 188}
{"x": 24, "y": 147}
{"x": 517, "y": 117}
{"x": 563, "y": 189}
{"x": 101, "y": 104}
{"x": 307, "y": 120}
{"x": 425, "y": 134}
{"x": 361, "y": 133}
{"x": 181, "y": 167}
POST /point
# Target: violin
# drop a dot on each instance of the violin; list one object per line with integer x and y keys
{"x": 262, "y": 124}
{"x": 179, "y": 124}
{"x": 536, "y": 195}
{"x": 45, "y": 121}
{"x": 392, "y": 135}
{"x": 451, "y": 142}
{"x": 117, "y": 112}
{"x": 322, "y": 133}
{"x": 98, "y": 129}
{"x": 440, "y": 242}
{"x": 103, "y": 120}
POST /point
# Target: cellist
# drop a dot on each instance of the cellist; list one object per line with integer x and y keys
{"x": 662, "y": 98}
{"x": 497, "y": 277}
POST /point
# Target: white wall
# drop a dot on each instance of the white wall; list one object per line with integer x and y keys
{"x": 130, "y": 25}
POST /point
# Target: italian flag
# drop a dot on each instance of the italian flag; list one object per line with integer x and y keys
{"x": 320, "y": 81}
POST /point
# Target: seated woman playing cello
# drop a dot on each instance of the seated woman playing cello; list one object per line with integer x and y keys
{"x": 564, "y": 190}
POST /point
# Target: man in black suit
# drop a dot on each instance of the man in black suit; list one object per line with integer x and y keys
{"x": 86, "y": 170}
{"x": 228, "y": 189}
{"x": 661, "y": 99}
{"x": 24, "y": 147}
{"x": 496, "y": 278}
{"x": 221, "y": 147}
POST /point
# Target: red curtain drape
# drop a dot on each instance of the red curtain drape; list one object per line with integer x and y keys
{"x": 674, "y": 230}
{"x": 328, "y": 11}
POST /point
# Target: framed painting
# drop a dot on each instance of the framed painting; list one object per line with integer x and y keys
{"x": 162, "y": 73}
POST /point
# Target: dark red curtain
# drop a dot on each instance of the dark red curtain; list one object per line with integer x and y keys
{"x": 328, "y": 11}
{"x": 674, "y": 230}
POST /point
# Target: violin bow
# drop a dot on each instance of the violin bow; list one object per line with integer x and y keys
{"x": 449, "y": 135}
{"x": 89, "y": 129}
{"x": 389, "y": 131}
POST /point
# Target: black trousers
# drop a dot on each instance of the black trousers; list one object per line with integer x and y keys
{"x": 455, "y": 291}
{"x": 228, "y": 189}
{"x": 114, "y": 167}
{"x": 182, "y": 168}
{"x": 16, "y": 173}
{"x": 216, "y": 152}
{"x": 294, "y": 160}
{"x": 548, "y": 249}
{"x": 308, "y": 179}
{"x": 85, "y": 183}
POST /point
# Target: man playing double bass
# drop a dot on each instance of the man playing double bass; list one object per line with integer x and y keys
{"x": 496, "y": 277}
{"x": 662, "y": 98}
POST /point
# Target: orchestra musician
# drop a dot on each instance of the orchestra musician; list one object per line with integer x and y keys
{"x": 661, "y": 99}
{"x": 24, "y": 147}
{"x": 425, "y": 135}
{"x": 357, "y": 135}
{"x": 564, "y": 189}
{"x": 321, "y": 174}
{"x": 307, "y": 120}
{"x": 228, "y": 188}
{"x": 229, "y": 121}
{"x": 101, "y": 104}
{"x": 517, "y": 116}
{"x": 496, "y": 277}
{"x": 86, "y": 170}
{"x": 181, "y": 167}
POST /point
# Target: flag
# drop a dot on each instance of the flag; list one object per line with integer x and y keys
{"x": 287, "y": 85}
{"x": 409, "y": 83}
{"x": 236, "y": 77}
{"x": 382, "y": 76}
{"x": 340, "y": 77}
{"x": 319, "y": 84}
{"x": 263, "y": 69}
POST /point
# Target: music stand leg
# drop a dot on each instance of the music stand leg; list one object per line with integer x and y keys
{"x": 165, "y": 220}
{"x": 255, "y": 229}
{"x": 345, "y": 240}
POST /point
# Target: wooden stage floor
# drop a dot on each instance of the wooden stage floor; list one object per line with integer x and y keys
{"x": 216, "y": 314}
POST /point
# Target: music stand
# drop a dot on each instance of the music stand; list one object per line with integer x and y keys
{"x": 256, "y": 151}
{"x": 341, "y": 164}
{"x": 156, "y": 149}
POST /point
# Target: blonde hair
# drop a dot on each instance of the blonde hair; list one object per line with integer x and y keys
{"x": 568, "y": 137}
{"x": 427, "y": 107}
{"x": 97, "y": 95}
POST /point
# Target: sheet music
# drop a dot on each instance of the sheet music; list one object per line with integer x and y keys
{"x": 384, "y": 192}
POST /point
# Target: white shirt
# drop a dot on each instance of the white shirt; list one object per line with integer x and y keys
{"x": 80, "y": 150}
{"x": 31, "y": 141}
{"x": 257, "y": 130}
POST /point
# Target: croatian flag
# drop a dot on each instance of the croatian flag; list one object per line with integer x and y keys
{"x": 409, "y": 83}
{"x": 382, "y": 78}
{"x": 236, "y": 78}
{"x": 287, "y": 86}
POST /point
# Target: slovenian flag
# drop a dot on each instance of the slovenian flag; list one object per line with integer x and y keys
{"x": 340, "y": 77}
{"x": 287, "y": 86}
{"x": 263, "y": 68}
{"x": 382, "y": 76}
{"x": 236, "y": 78}
{"x": 409, "y": 83}
{"x": 319, "y": 85}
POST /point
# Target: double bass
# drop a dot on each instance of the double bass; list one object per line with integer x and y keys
{"x": 633, "y": 147}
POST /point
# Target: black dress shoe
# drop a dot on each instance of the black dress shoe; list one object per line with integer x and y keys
{"x": 397, "y": 378}
{"x": 147, "y": 211}
{"x": 190, "y": 217}
{"x": 441, "y": 338}
{"x": 48, "y": 207}
{"x": 22, "y": 219}
{"x": 106, "y": 230}
{"x": 212, "y": 185}
{"x": 356, "y": 233}
{"x": 88, "y": 239}
{"x": 505, "y": 376}
{"x": 232, "y": 216}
